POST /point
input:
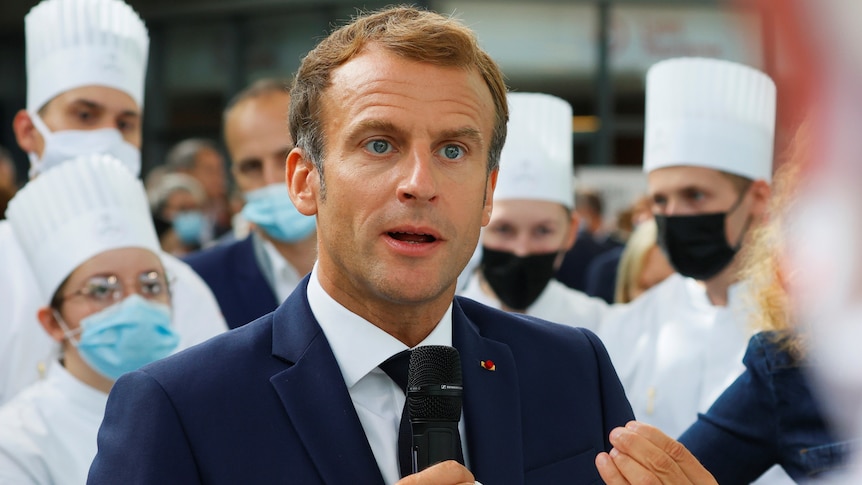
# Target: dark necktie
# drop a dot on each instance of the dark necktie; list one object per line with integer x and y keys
{"x": 397, "y": 367}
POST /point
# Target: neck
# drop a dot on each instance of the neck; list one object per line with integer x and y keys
{"x": 717, "y": 286}
{"x": 301, "y": 254}
{"x": 79, "y": 369}
{"x": 410, "y": 325}
{"x": 409, "y": 322}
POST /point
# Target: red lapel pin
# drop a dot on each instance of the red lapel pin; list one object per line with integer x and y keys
{"x": 488, "y": 364}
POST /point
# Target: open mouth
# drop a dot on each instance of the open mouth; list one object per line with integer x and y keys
{"x": 412, "y": 237}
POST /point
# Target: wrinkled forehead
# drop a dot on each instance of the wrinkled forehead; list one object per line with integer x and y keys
{"x": 378, "y": 78}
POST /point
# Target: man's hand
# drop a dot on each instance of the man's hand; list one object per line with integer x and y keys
{"x": 642, "y": 454}
{"x": 446, "y": 473}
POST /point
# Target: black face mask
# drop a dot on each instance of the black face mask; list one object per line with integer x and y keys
{"x": 697, "y": 246}
{"x": 517, "y": 281}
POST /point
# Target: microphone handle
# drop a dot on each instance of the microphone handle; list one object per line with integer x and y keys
{"x": 434, "y": 442}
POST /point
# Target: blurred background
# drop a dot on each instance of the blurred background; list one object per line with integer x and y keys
{"x": 593, "y": 53}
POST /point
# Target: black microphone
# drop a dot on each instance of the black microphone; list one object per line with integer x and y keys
{"x": 434, "y": 394}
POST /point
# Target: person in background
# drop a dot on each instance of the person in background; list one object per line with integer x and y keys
{"x": 776, "y": 412}
{"x": 176, "y": 202}
{"x": 85, "y": 88}
{"x": 771, "y": 414}
{"x": 533, "y": 223}
{"x": 250, "y": 277}
{"x": 8, "y": 180}
{"x": 591, "y": 241}
{"x": 708, "y": 156}
{"x": 601, "y": 273}
{"x": 642, "y": 264}
{"x": 399, "y": 119}
{"x": 106, "y": 306}
{"x": 201, "y": 159}
{"x": 240, "y": 227}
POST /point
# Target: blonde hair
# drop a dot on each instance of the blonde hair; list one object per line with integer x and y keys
{"x": 761, "y": 262}
{"x": 632, "y": 261}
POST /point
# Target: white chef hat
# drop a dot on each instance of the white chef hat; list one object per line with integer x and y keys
{"x": 536, "y": 162}
{"x": 77, "y": 210}
{"x": 709, "y": 113}
{"x": 74, "y": 43}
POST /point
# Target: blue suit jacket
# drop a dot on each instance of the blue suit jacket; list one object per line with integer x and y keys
{"x": 573, "y": 270}
{"x": 267, "y": 403}
{"x": 602, "y": 274}
{"x": 232, "y": 273}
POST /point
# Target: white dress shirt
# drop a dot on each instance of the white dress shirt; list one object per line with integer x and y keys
{"x": 285, "y": 277}
{"x": 48, "y": 431}
{"x": 377, "y": 399}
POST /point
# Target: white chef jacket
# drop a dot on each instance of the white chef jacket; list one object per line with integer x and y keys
{"x": 675, "y": 352}
{"x": 48, "y": 431}
{"x": 557, "y": 303}
{"x": 25, "y": 348}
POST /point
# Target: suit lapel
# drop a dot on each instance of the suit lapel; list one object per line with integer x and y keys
{"x": 492, "y": 411}
{"x": 315, "y": 397}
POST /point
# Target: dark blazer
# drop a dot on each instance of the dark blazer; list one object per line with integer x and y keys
{"x": 768, "y": 416}
{"x": 602, "y": 274}
{"x": 266, "y": 403}
{"x": 573, "y": 270}
{"x": 233, "y": 274}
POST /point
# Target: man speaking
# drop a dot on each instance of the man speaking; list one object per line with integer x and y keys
{"x": 399, "y": 119}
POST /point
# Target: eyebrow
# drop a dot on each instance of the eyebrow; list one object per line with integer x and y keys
{"x": 374, "y": 125}
{"x": 89, "y": 103}
{"x": 468, "y": 132}
{"x": 385, "y": 126}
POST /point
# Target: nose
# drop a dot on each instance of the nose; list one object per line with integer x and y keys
{"x": 418, "y": 183}
{"x": 671, "y": 207}
{"x": 521, "y": 246}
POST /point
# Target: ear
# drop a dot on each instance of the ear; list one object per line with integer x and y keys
{"x": 49, "y": 323}
{"x": 572, "y": 236}
{"x": 303, "y": 181}
{"x": 490, "y": 185}
{"x": 26, "y": 134}
{"x": 760, "y": 193}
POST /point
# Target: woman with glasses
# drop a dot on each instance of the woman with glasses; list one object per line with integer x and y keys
{"x": 87, "y": 233}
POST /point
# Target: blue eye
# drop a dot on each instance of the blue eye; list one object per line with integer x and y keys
{"x": 452, "y": 152}
{"x": 379, "y": 147}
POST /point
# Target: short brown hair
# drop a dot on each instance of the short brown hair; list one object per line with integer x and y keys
{"x": 407, "y": 32}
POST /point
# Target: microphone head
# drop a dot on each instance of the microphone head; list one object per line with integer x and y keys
{"x": 434, "y": 384}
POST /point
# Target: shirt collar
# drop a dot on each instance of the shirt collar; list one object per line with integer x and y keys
{"x": 87, "y": 399}
{"x": 285, "y": 277}
{"x": 346, "y": 331}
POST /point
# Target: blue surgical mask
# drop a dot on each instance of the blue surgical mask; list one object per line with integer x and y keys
{"x": 125, "y": 336}
{"x": 271, "y": 209}
{"x": 189, "y": 226}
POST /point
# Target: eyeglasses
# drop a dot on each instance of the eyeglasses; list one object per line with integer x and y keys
{"x": 109, "y": 289}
